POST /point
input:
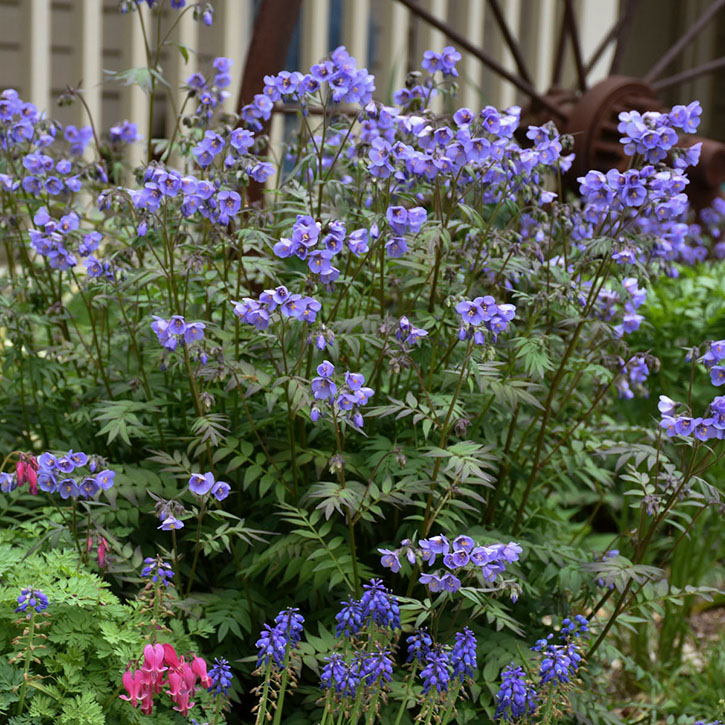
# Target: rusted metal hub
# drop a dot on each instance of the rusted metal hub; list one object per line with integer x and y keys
{"x": 593, "y": 121}
{"x": 592, "y": 118}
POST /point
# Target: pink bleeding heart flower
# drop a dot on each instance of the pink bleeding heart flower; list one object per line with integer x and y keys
{"x": 27, "y": 470}
{"x": 198, "y": 665}
{"x": 135, "y": 685}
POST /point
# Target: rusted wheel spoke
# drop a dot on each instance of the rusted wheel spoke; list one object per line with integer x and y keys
{"x": 623, "y": 35}
{"x": 560, "y": 49}
{"x": 512, "y": 44}
{"x": 273, "y": 28}
{"x": 614, "y": 35}
{"x": 570, "y": 20}
{"x": 690, "y": 74}
{"x": 695, "y": 29}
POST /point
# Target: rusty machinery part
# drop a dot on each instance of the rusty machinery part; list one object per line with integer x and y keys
{"x": 592, "y": 118}
{"x": 590, "y": 115}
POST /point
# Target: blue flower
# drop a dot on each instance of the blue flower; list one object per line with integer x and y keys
{"x": 274, "y": 641}
{"x": 272, "y": 644}
{"x": 170, "y": 523}
{"x": 290, "y": 622}
{"x": 201, "y": 483}
{"x": 560, "y": 662}
{"x": 339, "y": 676}
{"x": 419, "y": 645}
{"x": 377, "y": 668}
{"x": 8, "y": 482}
{"x": 349, "y": 619}
{"x": 157, "y": 570}
{"x": 390, "y": 560}
{"x": 33, "y": 598}
{"x": 380, "y": 605}
{"x": 463, "y": 656}
{"x": 437, "y": 671}
{"x": 221, "y": 677}
{"x": 515, "y": 698}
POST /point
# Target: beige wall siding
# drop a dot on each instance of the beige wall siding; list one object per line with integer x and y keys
{"x": 46, "y": 45}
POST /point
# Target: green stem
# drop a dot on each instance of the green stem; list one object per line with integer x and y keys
{"x": 28, "y": 659}
{"x": 262, "y": 712}
{"x": 451, "y": 704}
{"x": 283, "y": 685}
{"x": 356, "y": 706}
{"x": 372, "y": 707}
{"x": 406, "y": 694}
{"x": 197, "y": 547}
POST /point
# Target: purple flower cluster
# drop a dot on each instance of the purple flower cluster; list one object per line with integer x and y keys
{"x": 652, "y": 135}
{"x": 402, "y": 221}
{"x": 168, "y": 513}
{"x": 54, "y": 475}
{"x": 712, "y": 425}
{"x": 408, "y": 334}
{"x": 480, "y": 314}
{"x": 210, "y": 94}
{"x": 437, "y": 670}
{"x": 275, "y": 642}
{"x": 639, "y": 204}
{"x": 33, "y": 598}
{"x": 611, "y": 304}
{"x": 202, "y": 484}
{"x": 176, "y": 330}
{"x": 460, "y": 554}
{"x": 124, "y": 132}
{"x": 257, "y": 312}
{"x": 516, "y": 697}
{"x": 559, "y": 663}
{"x": 634, "y": 371}
{"x": 344, "y": 399}
{"x": 18, "y": 119}
{"x": 308, "y": 243}
{"x": 45, "y": 175}
{"x": 57, "y": 235}
{"x": 376, "y": 606}
{"x": 463, "y": 654}
{"x": 337, "y": 79}
{"x": 163, "y": 185}
{"x": 443, "y": 62}
{"x": 482, "y": 152}
{"x": 157, "y": 570}
{"x": 78, "y": 138}
{"x": 420, "y": 643}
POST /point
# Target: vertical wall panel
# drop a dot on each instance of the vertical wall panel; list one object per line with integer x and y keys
{"x": 595, "y": 18}
{"x": 276, "y": 141}
{"x": 507, "y": 94}
{"x": 134, "y": 100}
{"x": 89, "y": 53}
{"x": 467, "y": 17}
{"x": 237, "y": 18}
{"x": 539, "y": 30}
{"x": 700, "y": 51}
{"x": 315, "y": 27}
{"x": 392, "y": 29}
{"x": 35, "y": 50}
{"x": 430, "y": 38}
{"x": 356, "y": 27}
